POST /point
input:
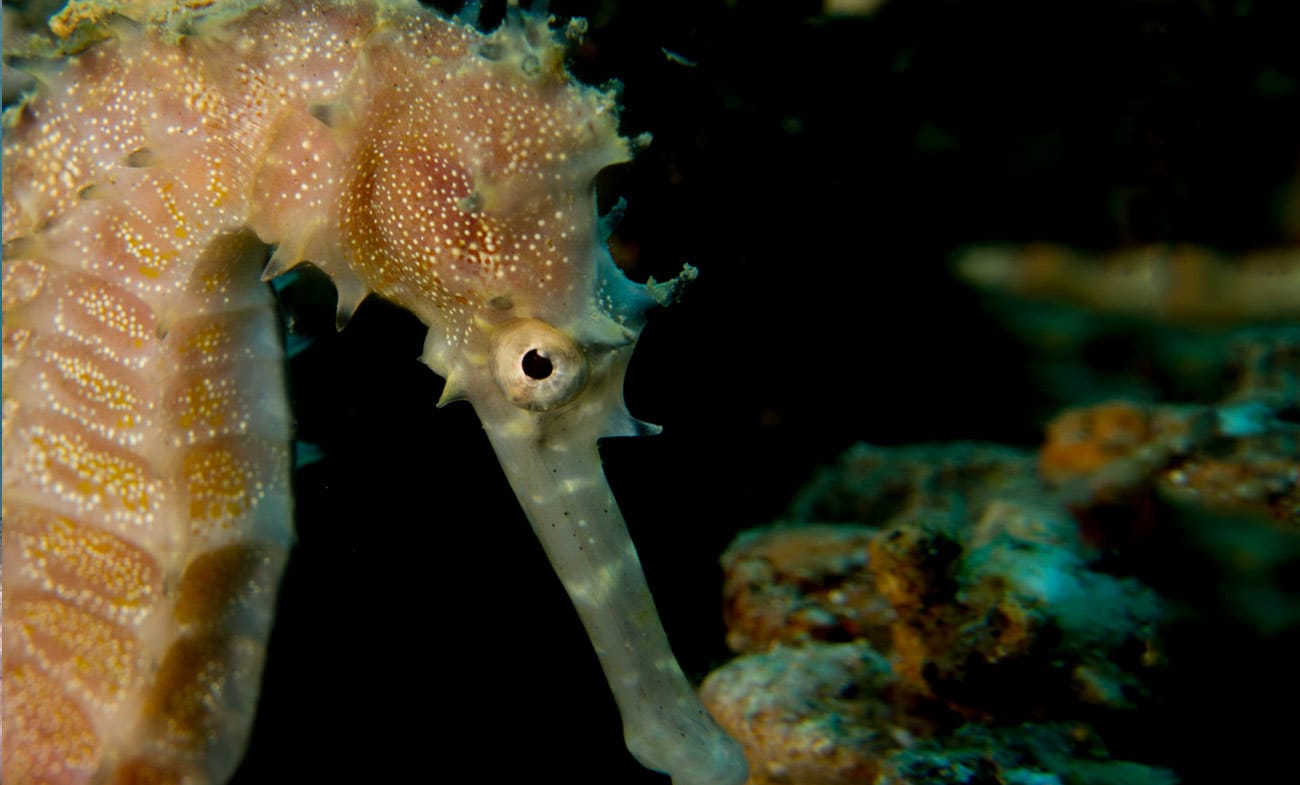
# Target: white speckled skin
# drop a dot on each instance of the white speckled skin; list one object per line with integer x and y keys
{"x": 146, "y": 475}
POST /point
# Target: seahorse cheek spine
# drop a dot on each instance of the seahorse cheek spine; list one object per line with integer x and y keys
{"x": 404, "y": 155}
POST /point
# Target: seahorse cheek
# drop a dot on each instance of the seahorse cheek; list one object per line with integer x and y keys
{"x": 402, "y": 225}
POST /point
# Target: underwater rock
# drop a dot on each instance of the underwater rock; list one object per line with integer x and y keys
{"x": 973, "y": 588}
{"x": 1060, "y": 754}
{"x": 818, "y": 715}
{"x": 1018, "y": 588}
{"x": 870, "y": 484}
{"x": 1266, "y": 362}
{"x": 1172, "y": 283}
{"x": 1003, "y": 617}
{"x": 1251, "y": 486}
{"x": 1101, "y": 452}
{"x": 1149, "y": 324}
{"x": 801, "y": 584}
{"x": 1239, "y": 458}
{"x": 979, "y": 572}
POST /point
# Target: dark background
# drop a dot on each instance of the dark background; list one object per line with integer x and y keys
{"x": 820, "y": 173}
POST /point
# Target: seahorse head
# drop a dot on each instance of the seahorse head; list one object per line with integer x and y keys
{"x": 471, "y": 201}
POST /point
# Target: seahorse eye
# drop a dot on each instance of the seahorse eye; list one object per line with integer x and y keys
{"x": 536, "y": 366}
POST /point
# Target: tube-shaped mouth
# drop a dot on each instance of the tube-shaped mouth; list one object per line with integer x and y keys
{"x": 564, "y": 492}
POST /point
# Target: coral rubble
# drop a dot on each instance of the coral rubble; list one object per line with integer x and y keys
{"x": 975, "y": 613}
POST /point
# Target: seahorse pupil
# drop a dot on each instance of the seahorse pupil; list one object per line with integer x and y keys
{"x": 537, "y": 365}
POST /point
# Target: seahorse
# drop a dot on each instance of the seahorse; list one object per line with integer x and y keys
{"x": 169, "y": 150}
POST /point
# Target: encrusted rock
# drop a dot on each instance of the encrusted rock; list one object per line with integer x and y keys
{"x": 1060, "y": 754}
{"x": 817, "y": 715}
{"x": 1003, "y": 618}
{"x": 871, "y": 484}
{"x": 801, "y": 584}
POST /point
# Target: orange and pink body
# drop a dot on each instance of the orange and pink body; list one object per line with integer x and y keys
{"x": 168, "y": 150}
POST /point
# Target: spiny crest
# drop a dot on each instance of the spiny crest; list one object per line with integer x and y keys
{"x": 527, "y": 40}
